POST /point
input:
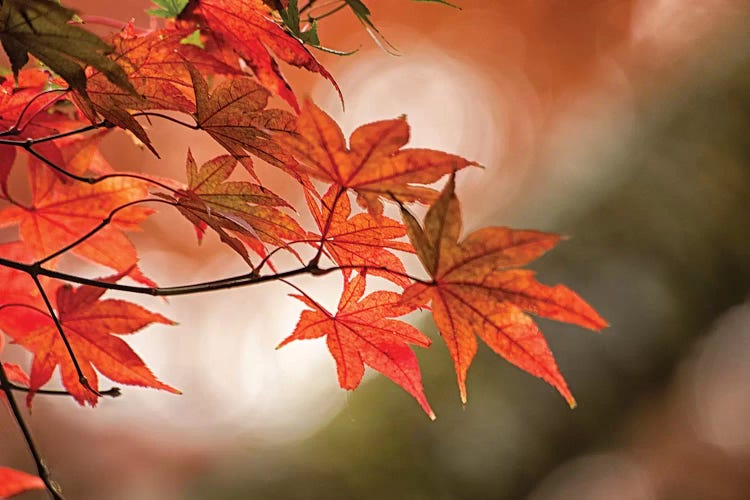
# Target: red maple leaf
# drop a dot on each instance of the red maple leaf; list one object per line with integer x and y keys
{"x": 91, "y": 326}
{"x": 247, "y": 27}
{"x": 476, "y": 291}
{"x": 373, "y": 165}
{"x": 155, "y": 63}
{"x": 362, "y": 333}
{"x": 62, "y": 212}
{"x": 359, "y": 240}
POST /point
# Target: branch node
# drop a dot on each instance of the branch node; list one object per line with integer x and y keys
{"x": 85, "y": 383}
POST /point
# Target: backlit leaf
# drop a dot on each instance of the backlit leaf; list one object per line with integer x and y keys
{"x": 362, "y": 332}
{"x": 91, "y": 325}
{"x": 374, "y": 164}
{"x": 476, "y": 290}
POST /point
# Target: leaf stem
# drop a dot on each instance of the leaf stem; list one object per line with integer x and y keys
{"x": 16, "y": 128}
{"x": 326, "y": 227}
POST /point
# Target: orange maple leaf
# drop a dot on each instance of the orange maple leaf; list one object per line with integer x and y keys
{"x": 244, "y": 208}
{"x": 21, "y": 107}
{"x": 359, "y": 240}
{"x": 247, "y": 27}
{"x": 476, "y": 291}
{"x": 155, "y": 64}
{"x": 22, "y": 102}
{"x": 14, "y": 482}
{"x": 90, "y": 325}
{"x": 61, "y": 212}
{"x": 17, "y": 286}
{"x": 374, "y": 165}
{"x": 235, "y": 115}
{"x": 362, "y": 332}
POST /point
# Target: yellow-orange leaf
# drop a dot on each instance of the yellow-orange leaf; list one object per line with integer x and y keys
{"x": 234, "y": 208}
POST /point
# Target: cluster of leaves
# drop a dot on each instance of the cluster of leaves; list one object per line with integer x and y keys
{"x": 54, "y": 117}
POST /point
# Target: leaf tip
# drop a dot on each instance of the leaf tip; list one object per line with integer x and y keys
{"x": 463, "y": 395}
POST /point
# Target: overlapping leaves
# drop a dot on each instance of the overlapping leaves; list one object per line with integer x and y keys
{"x": 247, "y": 27}
{"x": 43, "y": 28}
{"x": 358, "y": 240}
{"x": 241, "y": 213}
{"x": 362, "y": 332}
{"x": 91, "y": 326}
{"x": 374, "y": 165}
{"x": 62, "y": 211}
{"x": 477, "y": 286}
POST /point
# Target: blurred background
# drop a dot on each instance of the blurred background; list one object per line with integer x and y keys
{"x": 621, "y": 123}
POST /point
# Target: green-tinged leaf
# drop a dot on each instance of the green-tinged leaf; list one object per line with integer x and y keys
{"x": 41, "y": 28}
{"x": 193, "y": 38}
{"x": 168, "y": 8}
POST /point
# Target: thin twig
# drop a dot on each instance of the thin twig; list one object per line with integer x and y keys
{"x": 193, "y": 126}
{"x": 81, "y": 377}
{"x": 114, "y": 392}
{"x": 106, "y": 221}
{"x": 195, "y": 288}
{"x": 7, "y": 387}
{"x": 92, "y": 180}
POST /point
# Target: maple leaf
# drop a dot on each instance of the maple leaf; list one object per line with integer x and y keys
{"x": 22, "y": 101}
{"x": 235, "y": 115}
{"x": 15, "y": 373}
{"x": 363, "y": 332}
{"x": 240, "y": 207}
{"x": 476, "y": 291}
{"x": 19, "y": 106}
{"x": 374, "y": 165}
{"x": 247, "y": 27}
{"x": 90, "y": 325}
{"x": 168, "y": 8}
{"x": 359, "y": 240}
{"x": 42, "y": 28}
{"x": 60, "y": 213}
{"x": 17, "y": 286}
{"x": 7, "y": 158}
{"x": 154, "y": 63}
{"x": 14, "y": 482}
